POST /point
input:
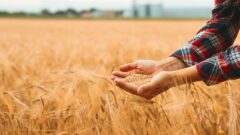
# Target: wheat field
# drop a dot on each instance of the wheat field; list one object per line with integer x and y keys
{"x": 55, "y": 79}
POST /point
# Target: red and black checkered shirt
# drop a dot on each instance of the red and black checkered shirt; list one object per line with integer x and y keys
{"x": 211, "y": 49}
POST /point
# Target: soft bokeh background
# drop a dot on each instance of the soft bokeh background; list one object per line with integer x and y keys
{"x": 36, "y": 5}
{"x": 56, "y": 58}
{"x": 110, "y": 8}
{"x": 55, "y": 79}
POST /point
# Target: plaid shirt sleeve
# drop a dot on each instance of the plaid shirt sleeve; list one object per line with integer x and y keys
{"x": 224, "y": 66}
{"x": 216, "y": 37}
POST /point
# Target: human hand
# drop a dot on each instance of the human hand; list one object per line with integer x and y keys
{"x": 167, "y": 79}
{"x": 148, "y": 67}
{"x": 141, "y": 66}
{"x": 160, "y": 82}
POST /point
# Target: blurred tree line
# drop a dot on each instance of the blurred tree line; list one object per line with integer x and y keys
{"x": 70, "y": 12}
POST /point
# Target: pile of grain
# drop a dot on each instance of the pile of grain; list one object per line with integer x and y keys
{"x": 138, "y": 79}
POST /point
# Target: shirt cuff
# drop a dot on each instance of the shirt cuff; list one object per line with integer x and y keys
{"x": 210, "y": 71}
{"x": 222, "y": 67}
{"x": 187, "y": 55}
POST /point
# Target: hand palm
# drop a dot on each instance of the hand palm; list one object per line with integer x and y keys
{"x": 146, "y": 66}
{"x": 158, "y": 84}
{"x": 161, "y": 81}
{"x": 141, "y": 66}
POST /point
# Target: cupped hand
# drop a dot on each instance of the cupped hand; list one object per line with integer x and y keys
{"x": 140, "y": 66}
{"x": 160, "y": 82}
{"x": 149, "y": 67}
{"x": 158, "y": 69}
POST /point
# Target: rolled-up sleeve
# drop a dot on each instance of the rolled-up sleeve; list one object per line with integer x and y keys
{"x": 218, "y": 35}
{"x": 224, "y": 66}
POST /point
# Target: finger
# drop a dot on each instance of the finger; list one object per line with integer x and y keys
{"x": 113, "y": 77}
{"x": 126, "y": 86}
{"x": 120, "y": 74}
{"x": 128, "y": 67}
{"x": 146, "y": 89}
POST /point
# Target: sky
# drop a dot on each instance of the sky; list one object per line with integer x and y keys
{"x": 53, "y": 5}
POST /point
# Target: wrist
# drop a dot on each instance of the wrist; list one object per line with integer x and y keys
{"x": 176, "y": 78}
{"x": 187, "y": 75}
{"x": 170, "y": 64}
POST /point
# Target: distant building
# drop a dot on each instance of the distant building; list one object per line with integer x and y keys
{"x": 188, "y": 12}
{"x": 128, "y": 13}
{"x": 142, "y": 11}
{"x": 86, "y": 15}
{"x": 99, "y": 14}
{"x": 108, "y": 13}
{"x": 145, "y": 11}
{"x": 156, "y": 11}
{"x": 96, "y": 14}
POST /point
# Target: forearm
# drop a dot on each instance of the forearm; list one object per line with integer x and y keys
{"x": 170, "y": 64}
{"x": 217, "y": 69}
{"x": 187, "y": 75}
{"x": 222, "y": 67}
{"x": 218, "y": 35}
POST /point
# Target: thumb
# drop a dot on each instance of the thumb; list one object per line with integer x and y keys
{"x": 145, "y": 88}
